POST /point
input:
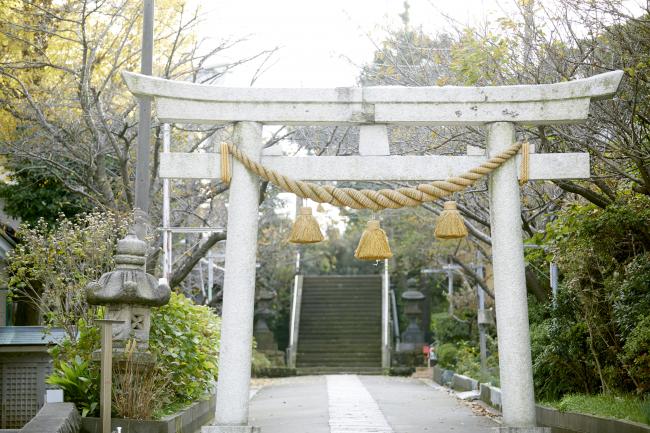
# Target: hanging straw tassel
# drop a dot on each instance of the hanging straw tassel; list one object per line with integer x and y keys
{"x": 306, "y": 229}
{"x": 373, "y": 244}
{"x": 450, "y": 223}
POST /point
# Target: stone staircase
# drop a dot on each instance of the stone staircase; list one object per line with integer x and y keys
{"x": 340, "y": 325}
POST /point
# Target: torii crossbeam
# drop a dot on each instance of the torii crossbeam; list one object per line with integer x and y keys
{"x": 498, "y": 109}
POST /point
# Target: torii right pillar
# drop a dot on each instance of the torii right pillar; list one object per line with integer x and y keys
{"x": 515, "y": 363}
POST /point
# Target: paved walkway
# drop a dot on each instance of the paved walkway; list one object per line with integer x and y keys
{"x": 362, "y": 404}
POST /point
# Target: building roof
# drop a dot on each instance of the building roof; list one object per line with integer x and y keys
{"x": 30, "y": 336}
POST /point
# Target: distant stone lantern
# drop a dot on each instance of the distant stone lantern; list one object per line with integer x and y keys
{"x": 128, "y": 293}
{"x": 263, "y": 335}
{"x": 413, "y": 336}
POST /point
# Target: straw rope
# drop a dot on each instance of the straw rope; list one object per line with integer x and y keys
{"x": 226, "y": 172}
{"x": 367, "y": 198}
{"x": 525, "y": 163}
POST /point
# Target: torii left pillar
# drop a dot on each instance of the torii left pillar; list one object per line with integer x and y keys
{"x": 239, "y": 290}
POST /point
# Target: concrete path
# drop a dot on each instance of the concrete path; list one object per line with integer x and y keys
{"x": 361, "y": 404}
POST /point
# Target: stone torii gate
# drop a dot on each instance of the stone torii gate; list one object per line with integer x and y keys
{"x": 498, "y": 109}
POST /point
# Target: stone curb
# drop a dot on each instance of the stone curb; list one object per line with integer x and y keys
{"x": 189, "y": 420}
{"x": 560, "y": 422}
{"x": 54, "y": 418}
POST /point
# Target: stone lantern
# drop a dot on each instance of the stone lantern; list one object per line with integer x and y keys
{"x": 413, "y": 336}
{"x": 263, "y": 335}
{"x": 128, "y": 293}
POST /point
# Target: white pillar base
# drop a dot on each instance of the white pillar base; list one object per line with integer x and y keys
{"x": 230, "y": 429}
{"x": 521, "y": 430}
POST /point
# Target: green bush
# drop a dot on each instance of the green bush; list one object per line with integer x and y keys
{"x": 185, "y": 337}
{"x": 468, "y": 360}
{"x": 79, "y": 380}
{"x": 595, "y": 338}
{"x": 636, "y": 354}
{"x": 74, "y": 372}
{"x": 561, "y": 363}
{"x": 449, "y": 330}
{"x": 447, "y": 355}
{"x": 51, "y": 266}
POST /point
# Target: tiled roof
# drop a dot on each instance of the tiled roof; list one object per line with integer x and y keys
{"x": 30, "y": 335}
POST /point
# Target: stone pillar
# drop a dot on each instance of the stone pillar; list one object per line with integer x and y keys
{"x": 239, "y": 289}
{"x": 515, "y": 366}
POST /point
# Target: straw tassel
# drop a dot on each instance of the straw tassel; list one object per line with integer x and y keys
{"x": 373, "y": 244}
{"x": 306, "y": 229}
{"x": 450, "y": 223}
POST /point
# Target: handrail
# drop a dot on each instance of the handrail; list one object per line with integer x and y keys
{"x": 395, "y": 319}
{"x": 296, "y": 299}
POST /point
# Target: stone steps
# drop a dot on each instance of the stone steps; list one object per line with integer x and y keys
{"x": 304, "y": 371}
{"x": 340, "y": 325}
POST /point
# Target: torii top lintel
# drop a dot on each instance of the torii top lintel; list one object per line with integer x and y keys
{"x": 566, "y": 102}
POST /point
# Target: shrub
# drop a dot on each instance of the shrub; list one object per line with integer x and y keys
{"x": 636, "y": 355}
{"x": 449, "y": 330}
{"x": 79, "y": 380}
{"x": 51, "y": 266}
{"x": 185, "y": 337}
{"x": 468, "y": 360}
{"x": 447, "y": 355}
{"x": 595, "y": 338}
{"x": 74, "y": 372}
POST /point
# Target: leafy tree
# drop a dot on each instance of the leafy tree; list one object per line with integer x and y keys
{"x": 31, "y": 195}
{"x": 67, "y": 115}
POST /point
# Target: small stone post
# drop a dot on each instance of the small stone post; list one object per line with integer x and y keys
{"x": 515, "y": 365}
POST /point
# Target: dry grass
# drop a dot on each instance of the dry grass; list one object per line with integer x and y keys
{"x": 138, "y": 389}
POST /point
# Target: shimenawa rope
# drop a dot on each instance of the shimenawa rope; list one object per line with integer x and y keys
{"x": 525, "y": 163}
{"x": 367, "y": 198}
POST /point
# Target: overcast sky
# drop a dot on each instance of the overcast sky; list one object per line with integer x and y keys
{"x": 322, "y": 42}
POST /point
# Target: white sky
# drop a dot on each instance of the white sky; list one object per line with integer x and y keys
{"x": 323, "y": 42}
